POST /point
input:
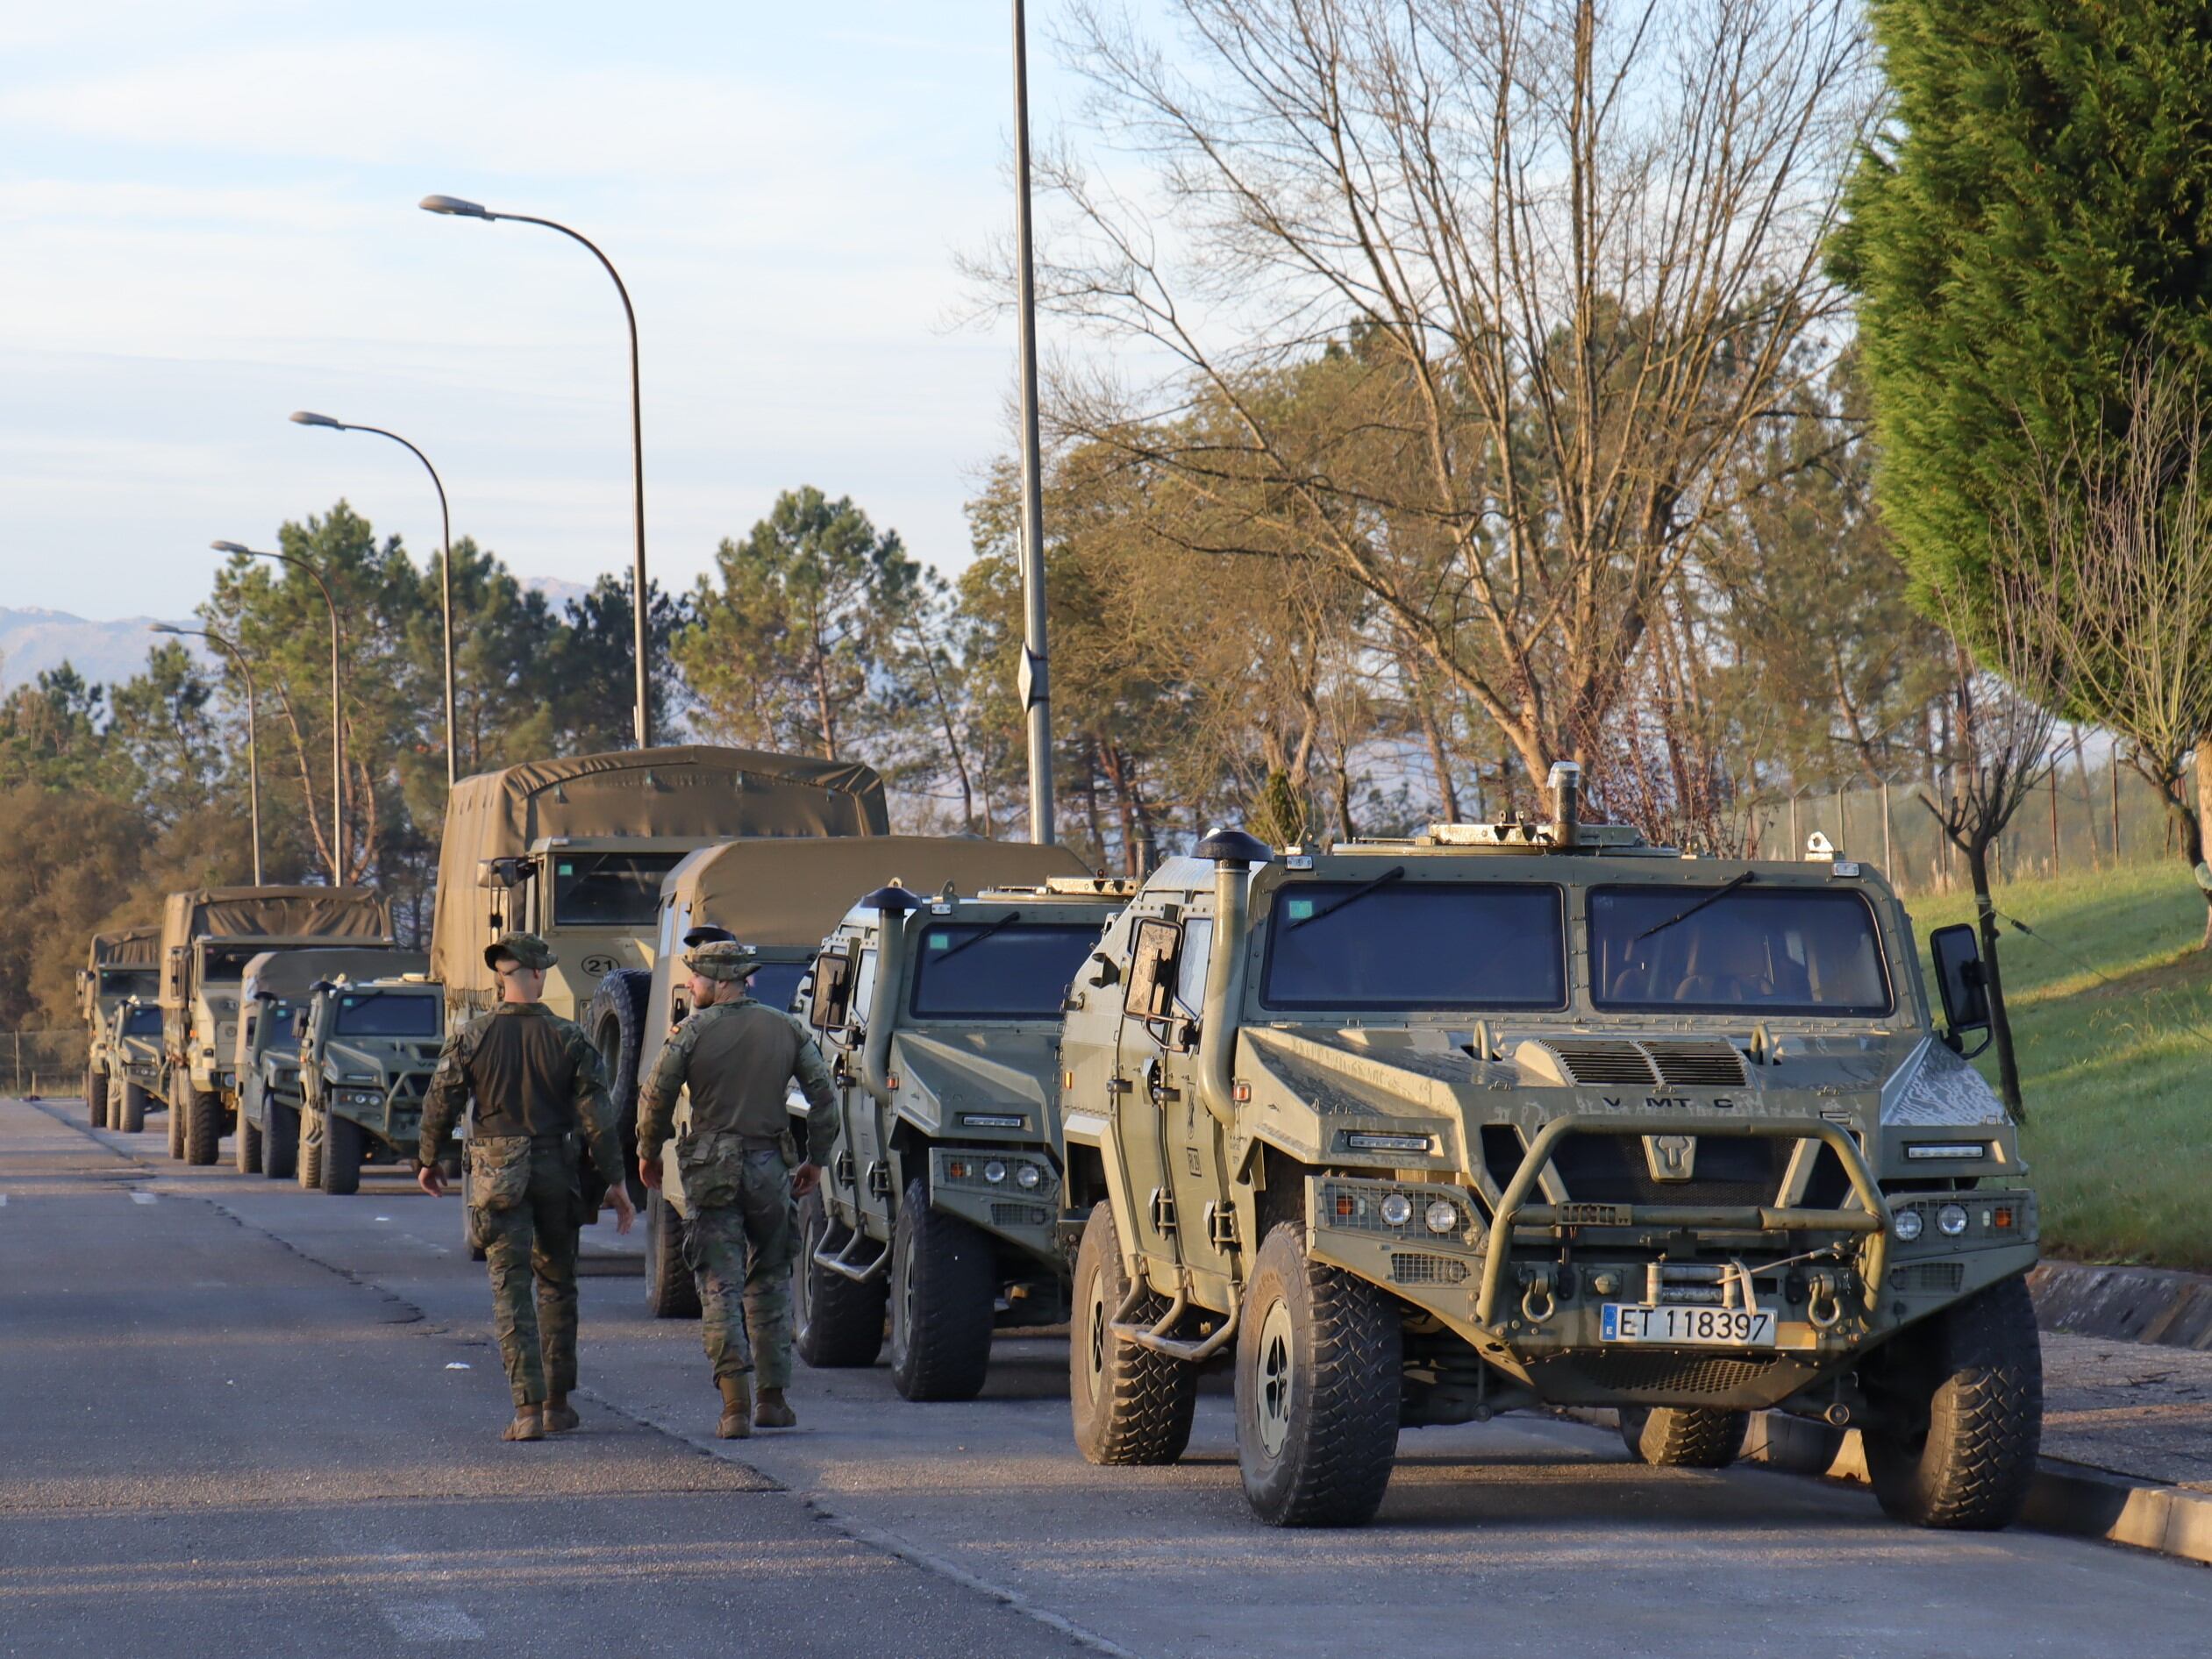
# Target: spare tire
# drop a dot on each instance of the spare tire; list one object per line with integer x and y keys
{"x": 615, "y": 1024}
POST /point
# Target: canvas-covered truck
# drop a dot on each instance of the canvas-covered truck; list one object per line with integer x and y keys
{"x": 273, "y": 1001}
{"x": 941, "y": 1205}
{"x": 366, "y": 1058}
{"x": 1415, "y": 1131}
{"x": 119, "y": 965}
{"x": 133, "y": 1046}
{"x": 782, "y": 897}
{"x": 208, "y": 936}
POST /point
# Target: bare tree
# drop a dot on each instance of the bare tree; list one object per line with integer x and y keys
{"x": 1524, "y": 279}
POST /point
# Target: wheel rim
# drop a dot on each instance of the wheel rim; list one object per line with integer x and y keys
{"x": 1095, "y": 1347}
{"x": 901, "y": 1301}
{"x": 1272, "y": 1397}
{"x": 803, "y": 1293}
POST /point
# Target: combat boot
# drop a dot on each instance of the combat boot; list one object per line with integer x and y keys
{"x": 529, "y": 1424}
{"x": 560, "y": 1416}
{"x": 773, "y": 1411}
{"x": 737, "y": 1409}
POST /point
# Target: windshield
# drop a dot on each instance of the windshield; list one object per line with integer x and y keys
{"x": 776, "y": 983}
{"x": 144, "y": 1021}
{"x": 1420, "y": 945}
{"x": 123, "y": 982}
{"x": 221, "y": 962}
{"x": 609, "y": 889}
{"x": 385, "y": 1014}
{"x": 1019, "y": 972}
{"x": 1783, "y": 950}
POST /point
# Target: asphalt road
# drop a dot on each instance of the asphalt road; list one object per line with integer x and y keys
{"x": 240, "y": 1418}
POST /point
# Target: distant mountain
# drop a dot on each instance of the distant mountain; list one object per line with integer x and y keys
{"x": 33, "y": 640}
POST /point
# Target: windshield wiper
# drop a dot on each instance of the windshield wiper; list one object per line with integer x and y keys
{"x": 1714, "y": 897}
{"x": 1361, "y": 892}
{"x": 1004, "y": 921}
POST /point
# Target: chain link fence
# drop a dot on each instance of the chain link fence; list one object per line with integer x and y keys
{"x": 42, "y": 1062}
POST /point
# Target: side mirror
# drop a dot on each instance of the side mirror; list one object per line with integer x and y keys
{"x": 1957, "y": 953}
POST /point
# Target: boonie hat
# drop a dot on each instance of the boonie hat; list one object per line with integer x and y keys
{"x": 527, "y": 949}
{"x": 723, "y": 959}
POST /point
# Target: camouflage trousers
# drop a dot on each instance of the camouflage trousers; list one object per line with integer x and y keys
{"x": 530, "y": 1244}
{"x": 740, "y": 1249}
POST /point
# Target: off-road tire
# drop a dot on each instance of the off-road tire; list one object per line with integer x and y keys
{"x": 944, "y": 1297}
{"x": 1970, "y": 1471}
{"x": 280, "y": 1142}
{"x": 245, "y": 1148}
{"x": 1131, "y": 1405}
{"x": 672, "y": 1292}
{"x": 176, "y": 1115}
{"x": 202, "y": 1127}
{"x": 836, "y": 1324}
{"x": 342, "y": 1149}
{"x": 1684, "y": 1436}
{"x": 96, "y": 1097}
{"x": 307, "y": 1168}
{"x": 1328, "y": 1372}
{"x": 130, "y": 1116}
{"x": 616, "y": 1022}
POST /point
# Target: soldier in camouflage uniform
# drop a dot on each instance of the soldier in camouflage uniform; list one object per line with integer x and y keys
{"x": 538, "y": 1089}
{"x": 738, "y": 1057}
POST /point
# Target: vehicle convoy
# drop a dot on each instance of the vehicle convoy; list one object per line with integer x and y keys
{"x": 366, "y": 1054}
{"x": 132, "y": 1044}
{"x": 780, "y": 896}
{"x": 1414, "y": 1131}
{"x": 941, "y": 1017}
{"x": 208, "y": 936}
{"x": 119, "y": 965}
{"x": 273, "y": 1001}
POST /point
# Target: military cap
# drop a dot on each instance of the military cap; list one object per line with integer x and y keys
{"x": 527, "y": 949}
{"x": 723, "y": 959}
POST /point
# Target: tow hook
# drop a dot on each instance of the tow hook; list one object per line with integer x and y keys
{"x": 1824, "y": 1304}
{"x": 1537, "y": 1303}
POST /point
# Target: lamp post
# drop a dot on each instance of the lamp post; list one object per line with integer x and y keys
{"x": 1034, "y": 683}
{"x": 307, "y": 417}
{"x": 252, "y": 749}
{"x": 338, "y": 708}
{"x": 457, "y": 207}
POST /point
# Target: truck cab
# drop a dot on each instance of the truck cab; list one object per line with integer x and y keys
{"x": 594, "y": 899}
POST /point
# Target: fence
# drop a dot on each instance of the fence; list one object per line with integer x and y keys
{"x": 42, "y": 1061}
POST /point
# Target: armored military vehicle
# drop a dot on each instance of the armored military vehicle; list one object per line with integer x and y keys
{"x": 133, "y": 1047}
{"x": 1414, "y": 1131}
{"x": 780, "y": 896}
{"x": 208, "y": 936}
{"x": 366, "y": 1058}
{"x": 119, "y": 965}
{"x": 273, "y": 1001}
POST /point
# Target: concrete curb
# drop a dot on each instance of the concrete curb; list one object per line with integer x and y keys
{"x": 2154, "y": 1304}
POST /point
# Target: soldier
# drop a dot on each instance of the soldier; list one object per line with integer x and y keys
{"x": 535, "y": 1081}
{"x": 737, "y": 1056}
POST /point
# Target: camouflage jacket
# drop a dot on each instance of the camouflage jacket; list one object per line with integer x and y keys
{"x": 530, "y": 1072}
{"x": 738, "y": 1060}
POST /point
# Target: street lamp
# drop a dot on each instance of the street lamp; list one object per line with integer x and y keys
{"x": 453, "y": 206}
{"x": 1035, "y": 684}
{"x": 252, "y": 750}
{"x": 306, "y": 417}
{"x": 338, "y": 710}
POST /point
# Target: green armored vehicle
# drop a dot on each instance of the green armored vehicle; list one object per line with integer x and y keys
{"x": 208, "y": 936}
{"x": 780, "y": 896}
{"x": 132, "y": 1044}
{"x": 367, "y": 1052}
{"x": 272, "y": 1003}
{"x": 1416, "y": 1131}
{"x": 119, "y": 965}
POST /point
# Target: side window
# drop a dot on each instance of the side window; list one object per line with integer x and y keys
{"x": 1152, "y": 969}
{"x": 1190, "y": 967}
{"x": 863, "y": 989}
{"x": 832, "y": 991}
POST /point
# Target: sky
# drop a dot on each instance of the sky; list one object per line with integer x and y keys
{"x": 208, "y": 220}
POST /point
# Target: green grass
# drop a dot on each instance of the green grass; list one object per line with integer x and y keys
{"x": 2112, "y": 1009}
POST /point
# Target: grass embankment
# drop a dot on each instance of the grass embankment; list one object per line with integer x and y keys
{"x": 2112, "y": 1010}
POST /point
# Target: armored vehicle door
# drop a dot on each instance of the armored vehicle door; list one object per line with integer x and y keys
{"x": 866, "y": 1132}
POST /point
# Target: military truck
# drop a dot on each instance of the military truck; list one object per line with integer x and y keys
{"x": 133, "y": 1043}
{"x": 273, "y": 1001}
{"x": 119, "y": 965}
{"x": 781, "y": 897}
{"x": 208, "y": 936}
{"x": 1415, "y": 1131}
{"x": 366, "y": 1058}
{"x": 942, "y": 1016}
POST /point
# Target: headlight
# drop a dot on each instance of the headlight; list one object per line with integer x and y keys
{"x": 995, "y": 1172}
{"x": 1908, "y": 1224}
{"x": 1951, "y": 1221}
{"x": 1443, "y": 1217}
{"x": 1028, "y": 1176}
{"x": 1397, "y": 1209}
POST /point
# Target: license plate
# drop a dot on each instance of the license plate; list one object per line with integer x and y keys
{"x": 1688, "y": 1326}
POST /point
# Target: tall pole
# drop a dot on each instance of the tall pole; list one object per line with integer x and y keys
{"x": 253, "y": 746}
{"x": 444, "y": 563}
{"x": 642, "y": 718}
{"x": 1034, "y": 681}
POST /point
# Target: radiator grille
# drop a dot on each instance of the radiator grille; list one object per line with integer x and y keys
{"x": 1611, "y": 1168}
{"x": 1408, "y": 1267}
{"x": 1019, "y": 1215}
{"x": 1673, "y": 1373}
{"x": 1603, "y": 1060}
{"x": 1715, "y": 1063}
{"x": 1941, "y": 1277}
